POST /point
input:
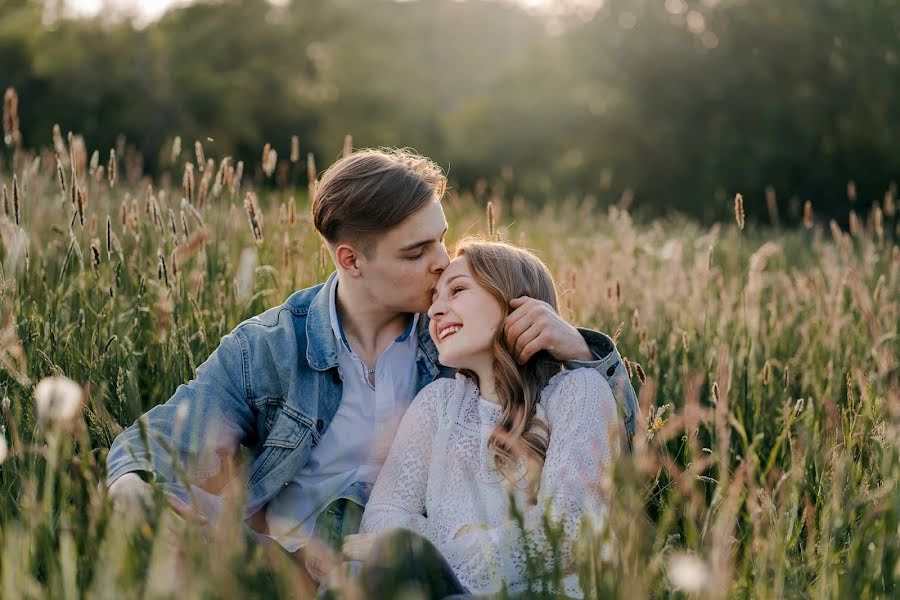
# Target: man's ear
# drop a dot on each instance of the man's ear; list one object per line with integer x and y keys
{"x": 346, "y": 257}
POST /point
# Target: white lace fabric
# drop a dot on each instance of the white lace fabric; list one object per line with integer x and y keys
{"x": 440, "y": 477}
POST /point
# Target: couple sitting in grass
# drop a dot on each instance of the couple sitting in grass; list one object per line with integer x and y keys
{"x": 402, "y": 412}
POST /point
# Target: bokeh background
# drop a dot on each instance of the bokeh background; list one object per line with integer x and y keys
{"x": 670, "y": 105}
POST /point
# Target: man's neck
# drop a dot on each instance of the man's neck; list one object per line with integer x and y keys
{"x": 368, "y": 326}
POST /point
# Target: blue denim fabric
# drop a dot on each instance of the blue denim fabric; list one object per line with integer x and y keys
{"x": 273, "y": 386}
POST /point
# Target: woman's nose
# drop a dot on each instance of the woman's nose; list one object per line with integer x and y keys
{"x": 436, "y": 310}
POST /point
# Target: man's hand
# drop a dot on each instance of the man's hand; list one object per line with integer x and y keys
{"x": 534, "y": 326}
{"x": 319, "y": 559}
{"x": 359, "y": 546}
{"x": 131, "y": 496}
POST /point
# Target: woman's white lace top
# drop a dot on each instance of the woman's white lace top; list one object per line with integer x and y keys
{"x": 440, "y": 476}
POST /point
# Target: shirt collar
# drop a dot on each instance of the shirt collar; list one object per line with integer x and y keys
{"x": 338, "y": 329}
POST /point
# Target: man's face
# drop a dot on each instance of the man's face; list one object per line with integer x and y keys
{"x": 407, "y": 261}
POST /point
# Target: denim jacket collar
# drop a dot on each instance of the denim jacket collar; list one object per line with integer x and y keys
{"x": 321, "y": 349}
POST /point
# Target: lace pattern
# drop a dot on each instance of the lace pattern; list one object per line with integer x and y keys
{"x": 439, "y": 477}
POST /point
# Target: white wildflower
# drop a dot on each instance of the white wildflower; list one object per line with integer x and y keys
{"x": 688, "y": 572}
{"x": 58, "y": 399}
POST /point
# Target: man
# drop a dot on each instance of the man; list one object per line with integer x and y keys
{"x": 316, "y": 386}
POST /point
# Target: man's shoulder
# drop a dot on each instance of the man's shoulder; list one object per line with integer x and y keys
{"x": 296, "y": 306}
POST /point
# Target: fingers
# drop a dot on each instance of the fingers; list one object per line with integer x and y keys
{"x": 358, "y": 546}
{"x": 532, "y": 348}
{"x": 528, "y": 336}
{"x": 185, "y": 511}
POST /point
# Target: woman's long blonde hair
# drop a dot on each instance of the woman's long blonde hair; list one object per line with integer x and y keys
{"x": 508, "y": 272}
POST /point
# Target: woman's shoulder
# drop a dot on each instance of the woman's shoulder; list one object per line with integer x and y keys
{"x": 442, "y": 393}
{"x": 574, "y": 387}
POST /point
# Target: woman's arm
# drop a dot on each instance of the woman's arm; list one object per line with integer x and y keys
{"x": 398, "y": 498}
{"x": 582, "y": 418}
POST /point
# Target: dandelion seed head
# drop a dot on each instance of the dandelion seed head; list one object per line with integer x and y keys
{"x": 688, "y": 573}
{"x": 58, "y": 399}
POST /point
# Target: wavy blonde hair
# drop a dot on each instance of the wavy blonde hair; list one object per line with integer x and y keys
{"x": 508, "y": 272}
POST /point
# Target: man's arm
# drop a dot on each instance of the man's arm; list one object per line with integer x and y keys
{"x": 185, "y": 439}
{"x": 533, "y": 326}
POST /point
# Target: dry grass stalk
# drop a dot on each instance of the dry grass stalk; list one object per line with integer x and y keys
{"x": 15, "y": 197}
{"x": 192, "y": 244}
{"x": 112, "y": 168}
{"x": 236, "y": 181}
{"x": 348, "y": 145}
{"x": 5, "y": 200}
{"x": 292, "y": 211}
{"x": 187, "y": 182}
{"x": 310, "y": 168}
{"x": 59, "y": 145}
{"x": 490, "y": 218}
{"x": 854, "y": 224}
{"x": 807, "y": 214}
{"x": 95, "y": 253}
{"x": 79, "y": 203}
{"x": 61, "y": 176}
{"x": 176, "y": 148}
{"x": 295, "y": 149}
{"x": 271, "y": 161}
{"x": 878, "y": 223}
{"x": 198, "y": 151}
{"x": 739, "y": 211}
{"x": 253, "y": 216}
{"x": 11, "y": 134}
{"x": 95, "y": 162}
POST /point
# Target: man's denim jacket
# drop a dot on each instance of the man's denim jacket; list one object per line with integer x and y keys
{"x": 273, "y": 385}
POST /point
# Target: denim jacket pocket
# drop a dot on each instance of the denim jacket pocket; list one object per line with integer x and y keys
{"x": 287, "y": 431}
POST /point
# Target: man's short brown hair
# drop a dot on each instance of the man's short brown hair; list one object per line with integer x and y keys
{"x": 371, "y": 191}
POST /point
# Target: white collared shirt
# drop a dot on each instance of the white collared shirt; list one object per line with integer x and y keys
{"x": 358, "y": 440}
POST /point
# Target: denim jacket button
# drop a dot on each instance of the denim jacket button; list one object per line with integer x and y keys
{"x": 320, "y": 425}
{"x": 612, "y": 370}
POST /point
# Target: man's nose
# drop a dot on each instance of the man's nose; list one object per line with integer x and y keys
{"x": 442, "y": 261}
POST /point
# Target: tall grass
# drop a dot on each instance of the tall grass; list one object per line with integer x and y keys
{"x": 766, "y": 362}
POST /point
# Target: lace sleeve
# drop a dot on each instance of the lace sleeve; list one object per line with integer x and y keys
{"x": 582, "y": 417}
{"x": 398, "y": 498}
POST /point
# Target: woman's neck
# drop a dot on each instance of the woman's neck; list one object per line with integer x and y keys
{"x": 486, "y": 383}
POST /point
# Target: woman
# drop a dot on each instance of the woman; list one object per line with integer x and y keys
{"x": 499, "y": 433}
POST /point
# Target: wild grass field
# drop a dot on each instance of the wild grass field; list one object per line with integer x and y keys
{"x": 765, "y": 359}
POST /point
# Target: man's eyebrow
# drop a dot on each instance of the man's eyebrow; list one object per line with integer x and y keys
{"x": 415, "y": 245}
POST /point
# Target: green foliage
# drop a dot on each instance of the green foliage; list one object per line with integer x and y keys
{"x": 682, "y": 103}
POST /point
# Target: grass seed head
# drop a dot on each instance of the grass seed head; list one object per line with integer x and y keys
{"x": 348, "y": 145}
{"x": 15, "y": 197}
{"x": 198, "y": 151}
{"x": 739, "y": 211}
{"x": 295, "y": 149}
{"x": 176, "y": 148}
{"x": 112, "y": 168}
{"x": 807, "y": 214}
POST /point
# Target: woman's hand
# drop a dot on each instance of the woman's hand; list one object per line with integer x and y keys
{"x": 359, "y": 546}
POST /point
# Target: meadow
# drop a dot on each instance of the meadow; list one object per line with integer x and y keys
{"x": 765, "y": 359}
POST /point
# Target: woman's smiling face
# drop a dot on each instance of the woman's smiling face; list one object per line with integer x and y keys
{"x": 465, "y": 318}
